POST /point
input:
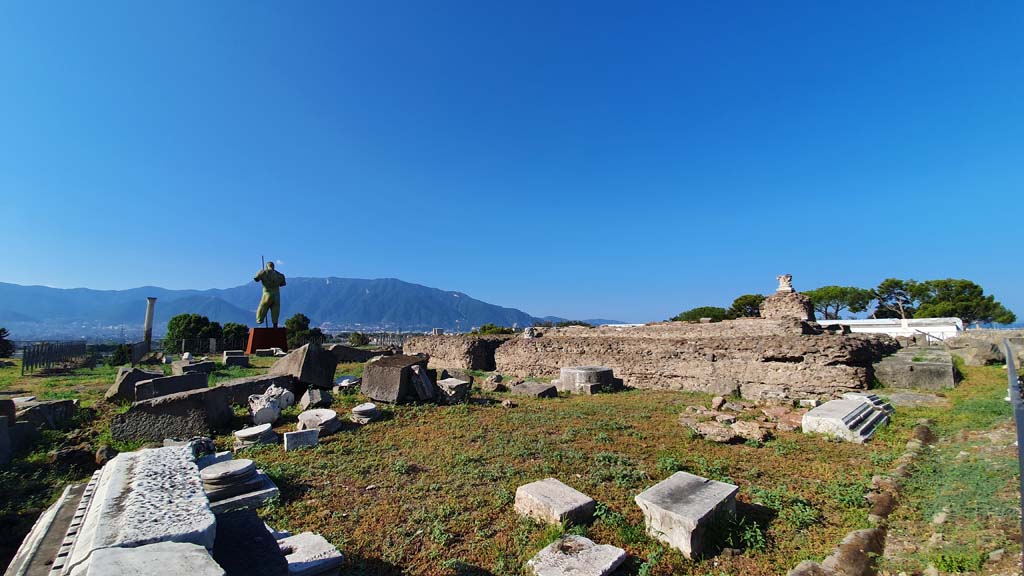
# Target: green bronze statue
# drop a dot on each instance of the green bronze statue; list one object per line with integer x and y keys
{"x": 272, "y": 281}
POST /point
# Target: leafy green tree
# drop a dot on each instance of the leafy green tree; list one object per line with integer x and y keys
{"x": 6, "y": 346}
{"x": 192, "y": 329}
{"x": 299, "y": 332}
{"x": 234, "y": 332}
{"x": 122, "y": 355}
{"x": 493, "y": 329}
{"x": 746, "y": 306}
{"x": 960, "y": 299}
{"x": 896, "y": 298}
{"x": 695, "y": 314}
{"x": 567, "y": 323}
{"x": 830, "y": 301}
{"x": 358, "y": 339}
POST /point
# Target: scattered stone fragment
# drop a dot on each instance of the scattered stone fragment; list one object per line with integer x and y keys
{"x": 717, "y": 402}
{"x": 508, "y": 404}
{"x": 104, "y": 453}
{"x": 551, "y": 501}
{"x": 365, "y": 413}
{"x": 316, "y": 398}
{"x": 810, "y": 403}
{"x": 715, "y": 432}
{"x": 940, "y": 517}
{"x": 535, "y": 390}
{"x": 853, "y": 419}
{"x": 389, "y": 378}
{"x": 677, "y": 510}
{"x": 182, "y": 415}
{"x": 259, "y": 434}
{"x": 749, "y": 430}
{"x": 725, "y": 419}
{"x": 493, "y": 384}
{"x": 264, "y": 409}
{"x": 421, "y": 383}
{"x": 996, "y": 555}
{"x": 576, "y": 556}
{"x": 323, "y": 419}
{"x": 301, "y": 439}
{"x": 309, "y": 554}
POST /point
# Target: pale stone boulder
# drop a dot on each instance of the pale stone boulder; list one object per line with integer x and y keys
{"x": 576, "y": 556}
{"x": 551, "y": 501}
{"x": 264, "y": 409}
{"x": 535, "y": 390}
{"x": 679, "y": 509}
{"x": 309, "y": 364}
{"x": 310, "y": 554}
{"x": 316, "y": 398}
{"x": 453, "y": 390}
{"x": 123, "y": 388}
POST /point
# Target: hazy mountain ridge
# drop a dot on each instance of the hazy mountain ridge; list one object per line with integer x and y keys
{"x": 340, "y": 303}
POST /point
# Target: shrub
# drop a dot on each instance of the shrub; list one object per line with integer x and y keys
{"x": 358, "y": 339}
{"x": 6, "y": 346}
{"x": 493, "y": 329}
{"x": 695, "y": 314}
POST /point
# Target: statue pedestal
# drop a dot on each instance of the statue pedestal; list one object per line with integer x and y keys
{"x": 261, "y": 338}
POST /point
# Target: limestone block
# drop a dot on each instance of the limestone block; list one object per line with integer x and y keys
{"x": 123, "y": 388}
{"x": 239, "y": 361}
{"x": 309, "y": 364}
{"x": 576, "y": 556}
{"x": 151, "y": 559}
{"x": 422, "y": 383}
{"x": 389, "y": 378}
{"x": 301, "y": 439}
{"x": 310, "y": 554}
{"x": 146, "y": 497}
{"x": 919, "y": 368}
{"x": 551, "y": 501}
{"x": 181, "y": 415}
{"x": 188, "y": 367}
{"x": 156, "y": 387}
{"x": 585, "y": 379}
{"x": 535, "y": 390}
{"x": 677, "y": 510}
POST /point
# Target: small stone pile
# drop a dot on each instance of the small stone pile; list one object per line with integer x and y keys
{"x": 230, "y": 478}
{"x": 266, "y": 408}
{"x": 721, "y": 422}
{"x": 365, "y": 413}
{"x": 260, "y": 434}
{"x": 323, "y": 419}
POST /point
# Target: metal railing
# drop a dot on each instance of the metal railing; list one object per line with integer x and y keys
{"x": 1018, "y": 416}
{"x": 46, "y": 355}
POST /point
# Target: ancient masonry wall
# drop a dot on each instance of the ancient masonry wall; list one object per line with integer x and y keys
{"x": 756, "y": 358}
{"x": 457, "y": 351}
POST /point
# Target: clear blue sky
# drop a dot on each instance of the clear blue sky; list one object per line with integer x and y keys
{"x": 620, "y": 160}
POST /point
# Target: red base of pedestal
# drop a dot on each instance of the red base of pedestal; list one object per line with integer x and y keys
{"x": 262, "y": 338}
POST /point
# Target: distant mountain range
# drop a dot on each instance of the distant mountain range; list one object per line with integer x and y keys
{"x": 33, "y": 312}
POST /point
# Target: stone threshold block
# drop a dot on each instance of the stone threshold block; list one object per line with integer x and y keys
{"x": 576, "y": 556}
{"x": 551, "y": 501}
{"x": 679, "y": 509}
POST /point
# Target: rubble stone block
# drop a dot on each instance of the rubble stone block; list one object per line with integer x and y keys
{"x": 551, "y": 501}
{"x": 585, "y": 379}
{"x": 181, "y": 415}
{"x": 309, "y": 364}
{"x": 123, "y": 388}
{"x": 679, "y": 509}
{"x": 453, "y": 390}
{"x": 535, "y": 390}
{"x": 576, "y": 556}
{"x": 239, "y": 361}
{"x": 389, "y": 379}
{"x": 147, "y": 389}
{"x": 301, "y": 439}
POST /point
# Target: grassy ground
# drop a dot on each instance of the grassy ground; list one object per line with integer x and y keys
{"x": 429, "y": 489}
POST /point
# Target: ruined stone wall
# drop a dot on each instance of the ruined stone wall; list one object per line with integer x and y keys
{"x": 452, "y": 351}
{"x": 759, "y": 359}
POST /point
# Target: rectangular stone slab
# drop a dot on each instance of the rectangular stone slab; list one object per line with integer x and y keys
{"x": 678, "y": 509}
{"x": 389, "y": 379}
{"x": 186, "y": 559}
{"x": 576, "y": 556}
{"x": 146, "y": 497}
{"x": 301, "y": 439}
{"x": 310, "y": 554}
{"x": 551, "y": 501}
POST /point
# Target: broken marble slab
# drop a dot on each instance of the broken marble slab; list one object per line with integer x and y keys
{"x": 576, "y": 556}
